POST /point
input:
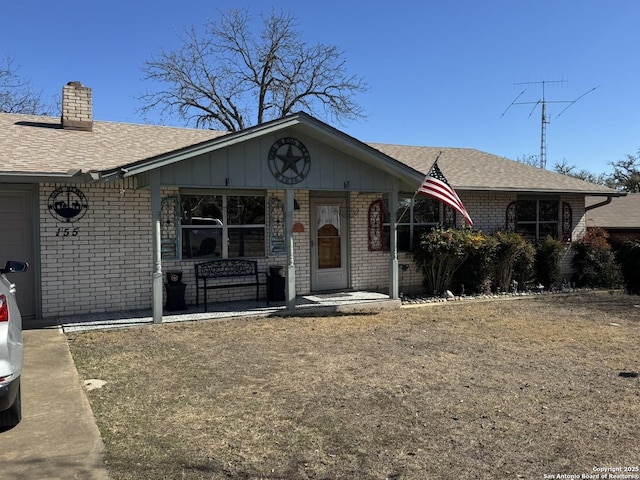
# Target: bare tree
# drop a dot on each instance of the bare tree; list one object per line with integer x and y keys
{"x": 230, "y": 78}
{"x": 570, "y": 170}
{"x": 17, "y": 94}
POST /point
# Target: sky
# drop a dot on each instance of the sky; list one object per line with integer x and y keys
{"x": 439, "y": 73}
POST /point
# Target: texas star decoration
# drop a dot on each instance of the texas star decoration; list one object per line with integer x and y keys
{"x": 285, "y": 163}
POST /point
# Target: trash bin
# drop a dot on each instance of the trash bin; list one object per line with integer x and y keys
{"x": 175, "y": 292}
{"x": 275, "y": 284}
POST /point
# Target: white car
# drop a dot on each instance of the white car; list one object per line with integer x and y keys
{"x": 10, "y": 348}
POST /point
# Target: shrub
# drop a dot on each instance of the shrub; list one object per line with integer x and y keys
{"x": 475, "y": 274}
{"x": 628, "y": 256}
{"x": 438, "y": 254}
{"x": 547, "y": 262}
{"x": 595, "y": 262}
{"x": 514, "y": 260}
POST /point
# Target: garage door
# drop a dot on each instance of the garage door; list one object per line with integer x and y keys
{"x": 17, "y": 243}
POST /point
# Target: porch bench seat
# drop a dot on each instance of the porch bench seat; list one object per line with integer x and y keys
{"x": 226, "y": 273}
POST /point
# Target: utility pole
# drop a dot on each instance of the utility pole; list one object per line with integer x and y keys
{"x": 544, "y": 121}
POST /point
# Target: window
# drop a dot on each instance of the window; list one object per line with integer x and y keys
{"x": 414, "y": 218}
{"x": 227, "y": 226}
{"x": 535, "y": 219}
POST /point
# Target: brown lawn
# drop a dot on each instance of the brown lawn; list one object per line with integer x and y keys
{"x": 494, "y": 389}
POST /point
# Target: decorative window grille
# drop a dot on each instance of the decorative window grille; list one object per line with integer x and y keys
{"x": 567, "y": 222}
{"x": 510, "y": 224}
{"x": 169, "y": 236}
{"x": 277, "y": 227}
{"x": 375, "y": 226}
{"x": 449, "y": 217}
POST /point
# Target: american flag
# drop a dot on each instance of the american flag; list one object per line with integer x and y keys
{"x": 435, "y": 185}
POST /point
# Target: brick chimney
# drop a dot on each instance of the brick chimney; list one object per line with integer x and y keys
{"x": 76, "y": 107}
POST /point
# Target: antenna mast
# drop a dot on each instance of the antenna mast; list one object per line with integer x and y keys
{"x": 543, "y": 119}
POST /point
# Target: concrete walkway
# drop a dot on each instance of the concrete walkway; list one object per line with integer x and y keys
{"x": 57, "y": 438}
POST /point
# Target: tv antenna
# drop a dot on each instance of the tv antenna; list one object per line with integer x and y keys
{"x": 543, "y": 119}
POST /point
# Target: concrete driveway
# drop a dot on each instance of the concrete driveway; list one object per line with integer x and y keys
{"x": 58, "y": 437}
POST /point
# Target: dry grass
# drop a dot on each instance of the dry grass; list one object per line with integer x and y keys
{"x": 500, "y": 389}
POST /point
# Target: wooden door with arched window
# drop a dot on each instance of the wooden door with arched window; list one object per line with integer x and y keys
{"x": 329, "y": 244}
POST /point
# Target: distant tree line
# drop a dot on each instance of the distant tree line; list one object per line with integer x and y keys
{"x": 624, "y": 177}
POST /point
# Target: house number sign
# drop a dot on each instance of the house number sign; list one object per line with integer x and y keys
{"x": 67, "y": 205}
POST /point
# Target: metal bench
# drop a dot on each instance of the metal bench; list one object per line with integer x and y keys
{"x": 226, "y": 273}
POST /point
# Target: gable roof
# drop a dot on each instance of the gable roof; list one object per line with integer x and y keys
{"x": 298, "y": 122}
{"x": 621, "y": 213}
{"x": 38, "y": 148}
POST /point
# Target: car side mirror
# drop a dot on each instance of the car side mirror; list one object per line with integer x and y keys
{"x": 13, "y": 266}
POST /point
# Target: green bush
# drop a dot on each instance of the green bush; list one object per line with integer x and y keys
{"x": 475, "y": 274}
{"x": 547, "y": 263}
{"x": 628, "y": 256}
{"x": 438, "y": 254}
{"x": 514, "y": 260}
{"x": 595, "y": 262}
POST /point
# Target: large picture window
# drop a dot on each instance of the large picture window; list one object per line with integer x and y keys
{"x": 535, "y": 219}
{"x": 224, "y": 225}
{"x": 415, "y": 217}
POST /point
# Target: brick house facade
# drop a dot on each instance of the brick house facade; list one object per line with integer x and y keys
{"x": 102, "y": 198}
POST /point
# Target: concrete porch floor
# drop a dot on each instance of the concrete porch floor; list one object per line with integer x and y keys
{"x": 316, "y": 304}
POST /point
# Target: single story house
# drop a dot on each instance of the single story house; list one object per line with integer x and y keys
{"x": 619, "y": 216}
{"x": 103, "y": 210}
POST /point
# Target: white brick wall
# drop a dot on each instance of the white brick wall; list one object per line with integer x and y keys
{"x": 104, "y": 262}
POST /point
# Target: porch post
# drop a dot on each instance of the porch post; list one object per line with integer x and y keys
{"x": 156, "y": 206}
{"x": 393, "y": 246}
{"x": 290, "y": 287}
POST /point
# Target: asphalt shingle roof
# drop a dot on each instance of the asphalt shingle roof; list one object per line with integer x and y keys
{"x": 470, "y": 169}
{"x": 39, "y": 145}
{"x": 622, "y": 212}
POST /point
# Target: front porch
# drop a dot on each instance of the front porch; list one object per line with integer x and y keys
{"x": 305, "y": 305}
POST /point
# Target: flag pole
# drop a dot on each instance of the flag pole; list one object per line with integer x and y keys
{"x": 416, "y": 192}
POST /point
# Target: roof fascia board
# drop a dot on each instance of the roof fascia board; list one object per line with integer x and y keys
{"x": 208, "y": 146}
{"x": 22, "y": 177}
{"x": 540, "y": 191}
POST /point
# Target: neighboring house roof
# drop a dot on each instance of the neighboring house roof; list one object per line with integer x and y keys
{"x": 621, "y": 213}
{"x": 38, "y": 147}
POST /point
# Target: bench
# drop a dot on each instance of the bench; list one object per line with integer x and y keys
{"x": 226, "y": 273}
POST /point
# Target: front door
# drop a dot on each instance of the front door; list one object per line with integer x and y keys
{"x": 329, "y": 246}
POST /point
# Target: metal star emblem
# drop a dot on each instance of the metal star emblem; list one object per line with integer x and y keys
{"x": 290, "y": 161}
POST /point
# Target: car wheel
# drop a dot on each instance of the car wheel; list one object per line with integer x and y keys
{"x": 11, "y": 417}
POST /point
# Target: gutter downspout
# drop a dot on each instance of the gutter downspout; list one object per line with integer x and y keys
{"x": 601, "y": 204}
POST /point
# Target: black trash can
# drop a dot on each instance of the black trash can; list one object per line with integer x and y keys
{"x": 175, "y": 292}
{"x": 275, "y": 284}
